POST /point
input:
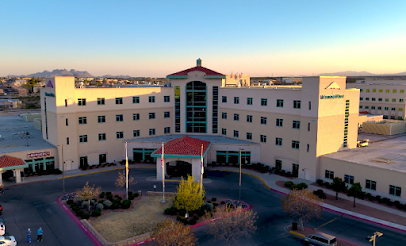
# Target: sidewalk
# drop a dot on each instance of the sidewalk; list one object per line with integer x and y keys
{"x": 269, "y": 181}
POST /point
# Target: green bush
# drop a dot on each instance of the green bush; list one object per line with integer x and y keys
{"x": 126, "y": 204}
{"x": 115, "y": 206}
{"x": 96, "y": 213}
{"x": 85, "y": 216}
{"x": 214, "y": 199}
{"x": 70, "y": 201}
{"x": 301, "y": 186}
{"x": 79, "y": 212}
{"x": 320, "y": 182}
{"x": 200, "y": 213}
{"x": 178, "y": 218}
{"x": 320, "y": 194}
{"x": 289, "y": 184}
{"x": 184, "y": 221}
{"x": 136, "y": 194}
{"x": 222, "y": 202}
{"x": 117, "y": 201}
{"x": 215, "y": 204}
{"x": 182, "y": 212}
{"x": 130, "y": 193}
{"x": 101, "y": 201}
{"x": 108, "y": 193}
{"x": 192, "y": 222}
{"x": 102, "y": 195}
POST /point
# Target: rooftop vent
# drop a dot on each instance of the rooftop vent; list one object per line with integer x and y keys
{"x": 199, "y": 62}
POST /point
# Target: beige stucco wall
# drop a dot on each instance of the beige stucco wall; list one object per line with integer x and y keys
{"x": 384, "y": 177}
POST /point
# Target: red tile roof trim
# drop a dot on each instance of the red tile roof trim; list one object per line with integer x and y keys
{"x": 184, "y": 146}
{"x": 207, "y": 71}
{"x": 8, "y": 161}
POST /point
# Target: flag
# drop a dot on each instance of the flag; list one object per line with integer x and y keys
{"x": 126, "y": 159}
{"x": 201, "y": 159}
{"x": 162, "y": 156}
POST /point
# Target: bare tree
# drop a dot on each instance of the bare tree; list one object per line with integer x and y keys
{"x": 170, "y": 233}
{"x": 230, "y": 224}
{"x": 88, "y": 192}
{"x": 120, "y": 181}
{"x": 302, "y": 205}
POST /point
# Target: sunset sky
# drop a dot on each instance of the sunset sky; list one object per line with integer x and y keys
{"x": 156, "y": 38}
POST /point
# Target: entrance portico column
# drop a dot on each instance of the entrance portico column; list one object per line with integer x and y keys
{"x": 1, "y": 178}
{"x": 196, "y": 169}
{"x": 17, "y": 173}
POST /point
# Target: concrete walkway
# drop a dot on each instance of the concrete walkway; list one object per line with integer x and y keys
{"x": 268, "y": 180}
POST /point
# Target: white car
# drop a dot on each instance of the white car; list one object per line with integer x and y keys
{"x": 8, "y": 241}
{"x": 2, "y": 229}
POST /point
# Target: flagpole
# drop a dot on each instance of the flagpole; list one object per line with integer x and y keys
{"x": 126, "y": 172}
{"x": 163, "y": 174}
{"x": 201, "y": 172}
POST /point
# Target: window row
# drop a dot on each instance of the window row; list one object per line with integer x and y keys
{"x": 264, "y": 102}
{"x": 380, "y": 99}
{"x": 381, "y": 90}
{"x": 369, "y": 184}
{"x": 119, "y": 118}
{"x": 263, "y": 120}
{"x": 380, "y": 108}
{"x": 119, "y": 135}
{"x": 118, "y": 100}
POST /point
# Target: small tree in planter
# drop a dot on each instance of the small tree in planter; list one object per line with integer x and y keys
{"x": 355, "y": 191}
{"x": 121, "y": 180}
{"x": 190, "y": 196}
{"x": 87, "y": 193}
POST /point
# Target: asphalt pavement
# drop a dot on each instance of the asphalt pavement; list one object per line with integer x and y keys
{"x": 33, "y": 204}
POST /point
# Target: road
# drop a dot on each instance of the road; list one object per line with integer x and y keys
{"x": 34, "y": 205}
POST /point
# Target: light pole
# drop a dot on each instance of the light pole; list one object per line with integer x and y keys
{"x": 373, "y": 237}
{"x": 63, "y": 170}
{"x": 239, "y": 190}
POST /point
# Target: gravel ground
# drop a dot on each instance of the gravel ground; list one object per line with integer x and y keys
{"x": 143, "y": 218}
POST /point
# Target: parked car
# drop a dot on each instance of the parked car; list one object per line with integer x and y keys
{"x": 320, "y": 239}
{"x": 8, "y": 241}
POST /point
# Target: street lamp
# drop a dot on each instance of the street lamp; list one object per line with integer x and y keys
{"x": 373, "y": 237}
{"x": 239, "y": 190}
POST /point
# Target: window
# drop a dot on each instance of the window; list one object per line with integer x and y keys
{"x": 136, "y": 116}
{"x": 249, "y": 136}
{"x": 151, "y": 116}
{"x": 167, "y": 99}
{"x": 278, "y": 141}
{"x": 152, "y": 131}
{"x": 366, "y": 107}
{"x": 83, "y": 161}
{"x": 278, "y": 164}
{"x": 82, "y": 120}
{"x": 394, "y": 91}
{"x": 308, "y": 147}
{"x": 373, "y": 99}
{"x": 380, "y": 99}
{"x": 102, "y": 136}
{"x": 367, "y": 90}
{"x": 224, "y": 99}
{"x": 393, "y": 99}
{"x": 310, "y": 105}
{"x": 361, "y": 98}
{"x": 136, "y": 99}
{"x": 119, "y": 117}
{"x": 279, "y": 103}
{"x": 279, "y": 122}
{"x": 395, "y": 190}
{"x": 296, "y": 124}
{"x": 100, "y": 101}
{"x": 66, "y": 122}
{"x": 360, "y": 106}
{"x": 249, "y": 118}
{"x": 329, "y": 174}
{"x": 236, "y": 100}
{"x": 236, "y": 133}
{"x": 308, "y": 127}
{"x": 387, "y": 91}
{"x": 348, "y": 179}
{"x": 361, "y": 90}
{"x": 373, "y": 90}
{"x": 386, "y": 99}
{"x": 263, "y": 120}
{"x": 263, "y": 139}
{"x": 151, "y": 99}
{"x": 224, "y": 115}
{"x": 264, "y": 102}
{"x": 296, "y": 104}
{"x": 167, "y": 130}
{"x": 83, "y": 139}
{"x": 386, "y": 108}
{"x": 369, "y": 184}
{"x": 249, "y": 101}
{"x": 401, "y": 91}
{"x": 119, "y": 135}
{"x": 295, "y": 144}
{"x": 367, "y": 98}
{"x": 393, "y": 109}
{"x": 119, "y": 100}
{"x": 82, "y": 101}
{"x": 101, "y": 119}
{"x": 66, "y": 103}
{"x": 224, "y": 131}
{"x": 400, "y": 109}
{"x": 67, "y": 141}
{"x": 236, "y": 117}
{"x": 379, "y": 108}
{"x": 167, "y": 114}
{"x": 136, "y": 133}
{"x": 400, "y": 100}
{"x": 380, "y": 90}
{"x": 372, "y": 107}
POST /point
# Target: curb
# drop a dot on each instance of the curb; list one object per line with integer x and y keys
{"x": 296, "y": 234}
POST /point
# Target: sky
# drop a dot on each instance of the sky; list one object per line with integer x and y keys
{"x": 157, "y": 38}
